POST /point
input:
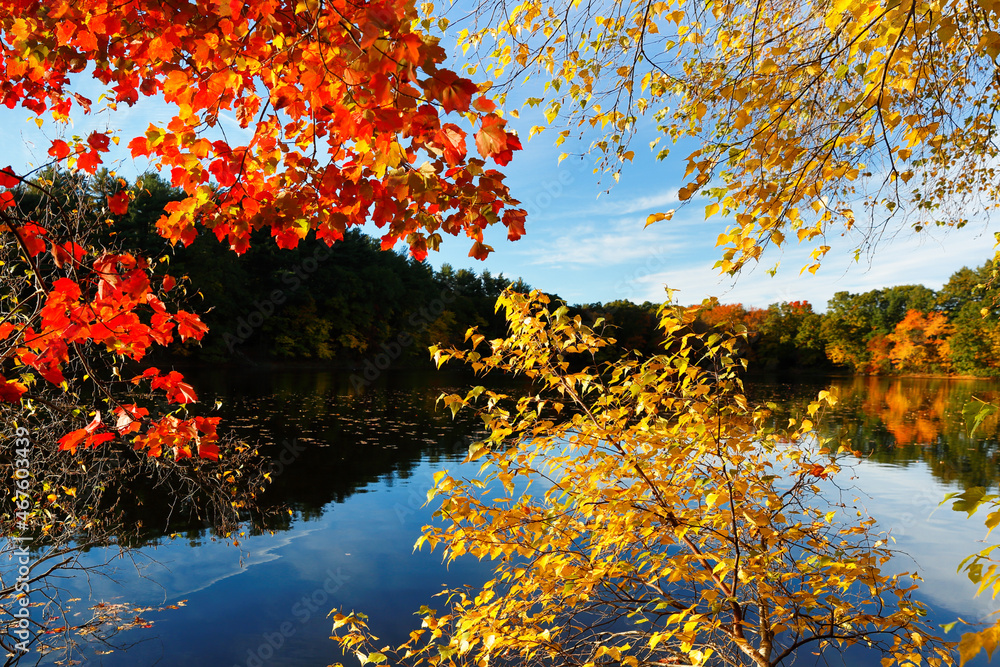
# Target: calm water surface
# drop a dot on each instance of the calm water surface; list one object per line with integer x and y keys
{"x": 354, "y": 468}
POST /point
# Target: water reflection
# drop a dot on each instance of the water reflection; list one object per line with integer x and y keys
{"x": 354, "y": 466}
{"x": 327, "y": 440}
{"x": 900, "y": 421}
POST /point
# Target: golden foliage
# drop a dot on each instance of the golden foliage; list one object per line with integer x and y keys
{"x": 920, "y": 342}
{"x": 798, "y": 116}
{"x": 643, "y": 512}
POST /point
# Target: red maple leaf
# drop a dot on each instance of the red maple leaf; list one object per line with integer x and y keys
{"x": 118, "y": 203}
{"x": 11, "y": 390}
{"x": 71, "y": 440}
{"x": 7, "y": 178}
{"x": 480, "y": 250}
{"x": 452, "y": 138}
{"x": 98, "y": 141}
{"x": 181, "y": 392}
{"x": 88, "y": 161}
{"x": 29, "y": 233}
{"x": 452, "y": 91}
{"x": 189, "y": 325}
{"x": 513, "y": 220}
{"x": 493, "y": 141}
{"x": 59, "y": 149}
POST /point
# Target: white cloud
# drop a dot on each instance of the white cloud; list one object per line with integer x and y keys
{"x": 597, "y": 246}
{"x": 562, "y": 194}
{"x": 657, "y": 201}
{"x": 927, "y": 258}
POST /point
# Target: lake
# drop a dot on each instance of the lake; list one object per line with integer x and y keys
{"x": 353, "y": 467}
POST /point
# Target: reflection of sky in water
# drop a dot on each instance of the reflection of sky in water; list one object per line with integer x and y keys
{"x": 362, "y": 551}
{"x": 242, "y": 602}
{"x": 931, "y": 541}
{"x": 365, "y": 544}
{"x": 905, "y": 500}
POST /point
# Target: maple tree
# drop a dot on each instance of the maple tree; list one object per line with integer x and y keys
{"x": 67, "y": 302}
{"x": 642, "y": 512}
{"x": 855, "y": 325}
{"x": 920, "y": 342}
{"x": 338, "y": 113}
{"x": 338, "y": 102}
{"x": 731, "y": 315}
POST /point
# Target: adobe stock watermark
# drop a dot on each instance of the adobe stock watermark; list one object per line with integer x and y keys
{"x": 552, "y": 190}
{"x": 22, "y": 503}
{"x": 265, "y": 308}
{"x": 302, "y": 611}
{"x": 418, "y": 322}
{"x": 656, "y": 262}
{"x": 291, "y": 450}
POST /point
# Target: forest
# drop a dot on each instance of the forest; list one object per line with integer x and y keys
{"x": 353, "y": 303}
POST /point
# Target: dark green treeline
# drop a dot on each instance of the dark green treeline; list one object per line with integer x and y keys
{"x": 352, "y": 303}
{"x": 341, "y": 305}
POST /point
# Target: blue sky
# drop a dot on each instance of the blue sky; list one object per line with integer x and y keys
{"x": 587, "y": 241}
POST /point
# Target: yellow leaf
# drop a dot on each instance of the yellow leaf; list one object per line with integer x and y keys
{"x": 836, "y": 10}
{"x": 656, "y": 217}
{"x": 969, "y": 646}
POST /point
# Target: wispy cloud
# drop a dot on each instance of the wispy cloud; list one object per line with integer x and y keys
{"x": 613, "y": 243}
{"x": 924, "y": 259}
{"x": 651, "y": 202}
{"x": 565, "y": 203}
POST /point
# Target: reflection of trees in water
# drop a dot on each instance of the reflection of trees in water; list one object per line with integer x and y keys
{"x": 70, "y": 515}
{"x": 901, "y": 420}
{"x": 327, "y": 440}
